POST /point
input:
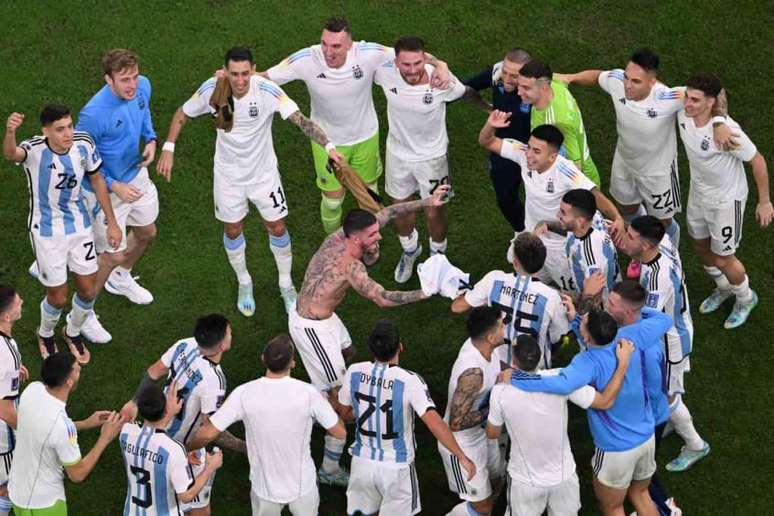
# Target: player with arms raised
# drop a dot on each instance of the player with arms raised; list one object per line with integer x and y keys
{"x": 245, "y": 167}
{"x": 59, "y": 223}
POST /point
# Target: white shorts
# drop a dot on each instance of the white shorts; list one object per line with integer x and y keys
{"x": 560, "y": 500}
{"x": 384, "y": 489}
{"x": 320, "y": 343}
{"x": 5, "y": 467}
{"x": 619, "y": 469}
{"x": 57, "y": 254}
{"x": 676, "y": 376}
{"x": 404, "y": 178}
{"x": 306, "y": 505}
{"x": 721, "y": 223}
{"x": 487, "y": 461}
{"x": 265, "y": 192}
{"x": 203, "y": 498}
{"x": 142, "y": 212}
{"x": 557, "y": 269}
{"x": 659, "y": 194}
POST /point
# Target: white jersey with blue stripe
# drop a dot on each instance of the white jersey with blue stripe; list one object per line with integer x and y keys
{"x": 530, "y": 307}
{"x": 10, "y": 367}
{"x": 156, "y": 470}
{"x": 200, "y": 383}
{"x": 664, "y": 281}
{"x": 384, "y": 399}
{"x": 593, "y": 252}
{"x": 54, "y": 181}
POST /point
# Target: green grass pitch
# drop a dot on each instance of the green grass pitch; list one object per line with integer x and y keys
{"x": 50, "y": 51}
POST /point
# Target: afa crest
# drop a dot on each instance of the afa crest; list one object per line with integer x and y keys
{"x": 705, "y": 144}
{"x": 428, "y": 98}
{"x": 550, "y": 186}
{"x": 652, "y": 113}
{"x": 357, "y": 72}
{"x": 253, "y": 111}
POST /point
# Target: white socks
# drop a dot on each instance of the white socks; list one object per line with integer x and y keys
{"x": 120, "y": 274}
{"x": 332, "y": 454}
{"x": 235, "y": 250}
{"x": 718, "y": 277}
{"x": 438, "y": 247}
{"x": 80, "y": 311}
{"x": 283, "y": 257}
{"x": 742, "y": 291}
{"x": 409, "y": 243}
{"x": 49, "y": 317}
{"x": 681, "y": 418}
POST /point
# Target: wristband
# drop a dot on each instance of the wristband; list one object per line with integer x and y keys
{"x": 168, "y": 146}
{"x": 719, "y": 119}
{"x": 328, "y": 147}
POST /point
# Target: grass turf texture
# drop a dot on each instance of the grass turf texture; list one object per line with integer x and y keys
{"x": 51, "y": 53}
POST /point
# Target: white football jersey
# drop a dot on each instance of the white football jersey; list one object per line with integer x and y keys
{"x": 10, "y": 367}
{"x": 54, "y": 181}
{"x": 537, "y": 426}
{"x": 200, "y": 383}
{"x": 341, "y": 98}
{"x": 416, "y": 114}
{"x": 717, "y": 176}
{"x": 278, "y": 414}
{"x": 248, "y": 149}
{"x": 543, "y": 191}
{"x": 594, "y": 252}
{"x": 664, "y": 280}
{"x": 471, "y": 358}
{"x": 647, "y": 141}
{"x": 157, "y": 469}
{"x": 384, "y": 399}
{"x": 530, "y": 307}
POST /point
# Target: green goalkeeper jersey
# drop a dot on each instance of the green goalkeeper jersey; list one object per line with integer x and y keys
{"x": 563, "y": 112}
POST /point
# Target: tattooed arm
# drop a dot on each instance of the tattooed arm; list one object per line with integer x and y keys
{"x": 370, "y": 289}
{"x": 229, "y": 441}
{"x": 309, "y": 128}
{"x": 549, "y": 225}
{"x": 474, "y": 97}
{"x": 396, "y": 210}
{"x": 461, "y": 413}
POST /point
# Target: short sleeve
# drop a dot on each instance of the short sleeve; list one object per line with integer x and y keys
{"x": 481, "y": 81}
{"x": 611, "y": 81}
{"x": 93, "y": 159}
{"x": 479, "y": 295}
{"x": 456, "y": 89}
{"x": 584, "y": 396}
{"x": 278, "y": 99}
{"x": 211, "y": 398}
{"x": 26, "y": 146}
{"x": 169, "y": 355}
{"x": 199, "y": 103}
{"x": 290, "y": 68}
{"x": 345, "y": 395}
{"x": 65, "y": 441}
{"x": 322, "y": 412}
{"x": 179, "y": 474}
{"x": 495, "y": 417}
{"x": 746, "y": 149}
{"x": 419, "y": 396}
{"x": 375, "y": 54}
{"x": 514, "y": 150}
{"x": 658, "y": 297}
{"x": 231, "y": 410}
{"x": 9, "y": 384}
{"x": 572, "y": 178}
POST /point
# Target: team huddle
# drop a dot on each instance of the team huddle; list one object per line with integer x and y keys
{"x": 503, "y": 432}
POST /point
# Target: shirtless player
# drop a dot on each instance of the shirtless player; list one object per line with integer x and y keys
{"x": 321, "y": 338}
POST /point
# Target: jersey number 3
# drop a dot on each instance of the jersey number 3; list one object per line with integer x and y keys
{"x": 143, "y": 481}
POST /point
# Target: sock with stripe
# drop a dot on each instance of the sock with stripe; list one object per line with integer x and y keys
{"x": 237, "y": 257}
{"x": 330, "y": 213}
{"x": 78, "y": 314}
{"x": 743, "y": 292}
{"x": 283, "y": 257}
{"x": 681, "y": 418}
{"x": 332, "y": 454}
{"x": 639, "y": 213}
{"x": 718, "y": 277}
{"x": 438, "y": 247}
{"x": 673, "y": 231}
{"x": 409, "y": 243}
{"x": 49, "y": 317}
{"x": 5, "y": 506}
{"x": 120, "y": 274}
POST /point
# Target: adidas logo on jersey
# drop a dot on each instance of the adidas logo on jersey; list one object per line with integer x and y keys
{"x": 119, "y": 122}
{"x": 394, "y": 90}
{"x": 622, "y": 100}
{"x": 322, "y": 76}
{"x": 52, "y": 166}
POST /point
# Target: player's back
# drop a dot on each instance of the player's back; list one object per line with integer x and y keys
{"x": 201, "y": 385}
{"x": 55, "y": 182}
{"x": 155, "y": 464}
{"x": 384, "y": 398}
{"x": 469, "y": 357}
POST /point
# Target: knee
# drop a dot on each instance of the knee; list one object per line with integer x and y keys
{"x": 232, "y": 231}
{"x": 332, "y": 203}
{"x": 276, "y": 228}
{"x": 484, "y": 507}
{"x": 86, "y": 293}
{"x": 57, "y": 297}
{"x": 147, "y": 234}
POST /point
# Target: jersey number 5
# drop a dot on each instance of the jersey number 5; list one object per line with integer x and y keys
{"x": 369, "y": 411}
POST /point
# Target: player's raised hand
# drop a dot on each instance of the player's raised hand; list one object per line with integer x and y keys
{"x": 128, "y": 411}
{"x": 724, "y": 137}
{"x": 111, "y": 426}
{"x": 566, "y": 78}
{"x": 214, "y": 459}
{"x": 617, "y": 230}
{"x": 469, "y": 466}
{"x": 174, "y": 402}
{"x": 165, "y": 163}
{"x": 336, "y": 156}
{"x": 499, "y": 119}
{"x": 594, "y": 284}
{"x": 440, "y": 77}
{"x": 764, "y": 213}
{"x": 505, "y": 375}
{"x": 14, "y": 121}
{"x": 540, "y": 229}
{"x": 148, "y": 153}
{"x": 569, "y": 306}
{"x": 440, "y": 195}
{"x": 126, "y": 192}
{"x": 96, "y": 419}
{"x": 623, "y": 351}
